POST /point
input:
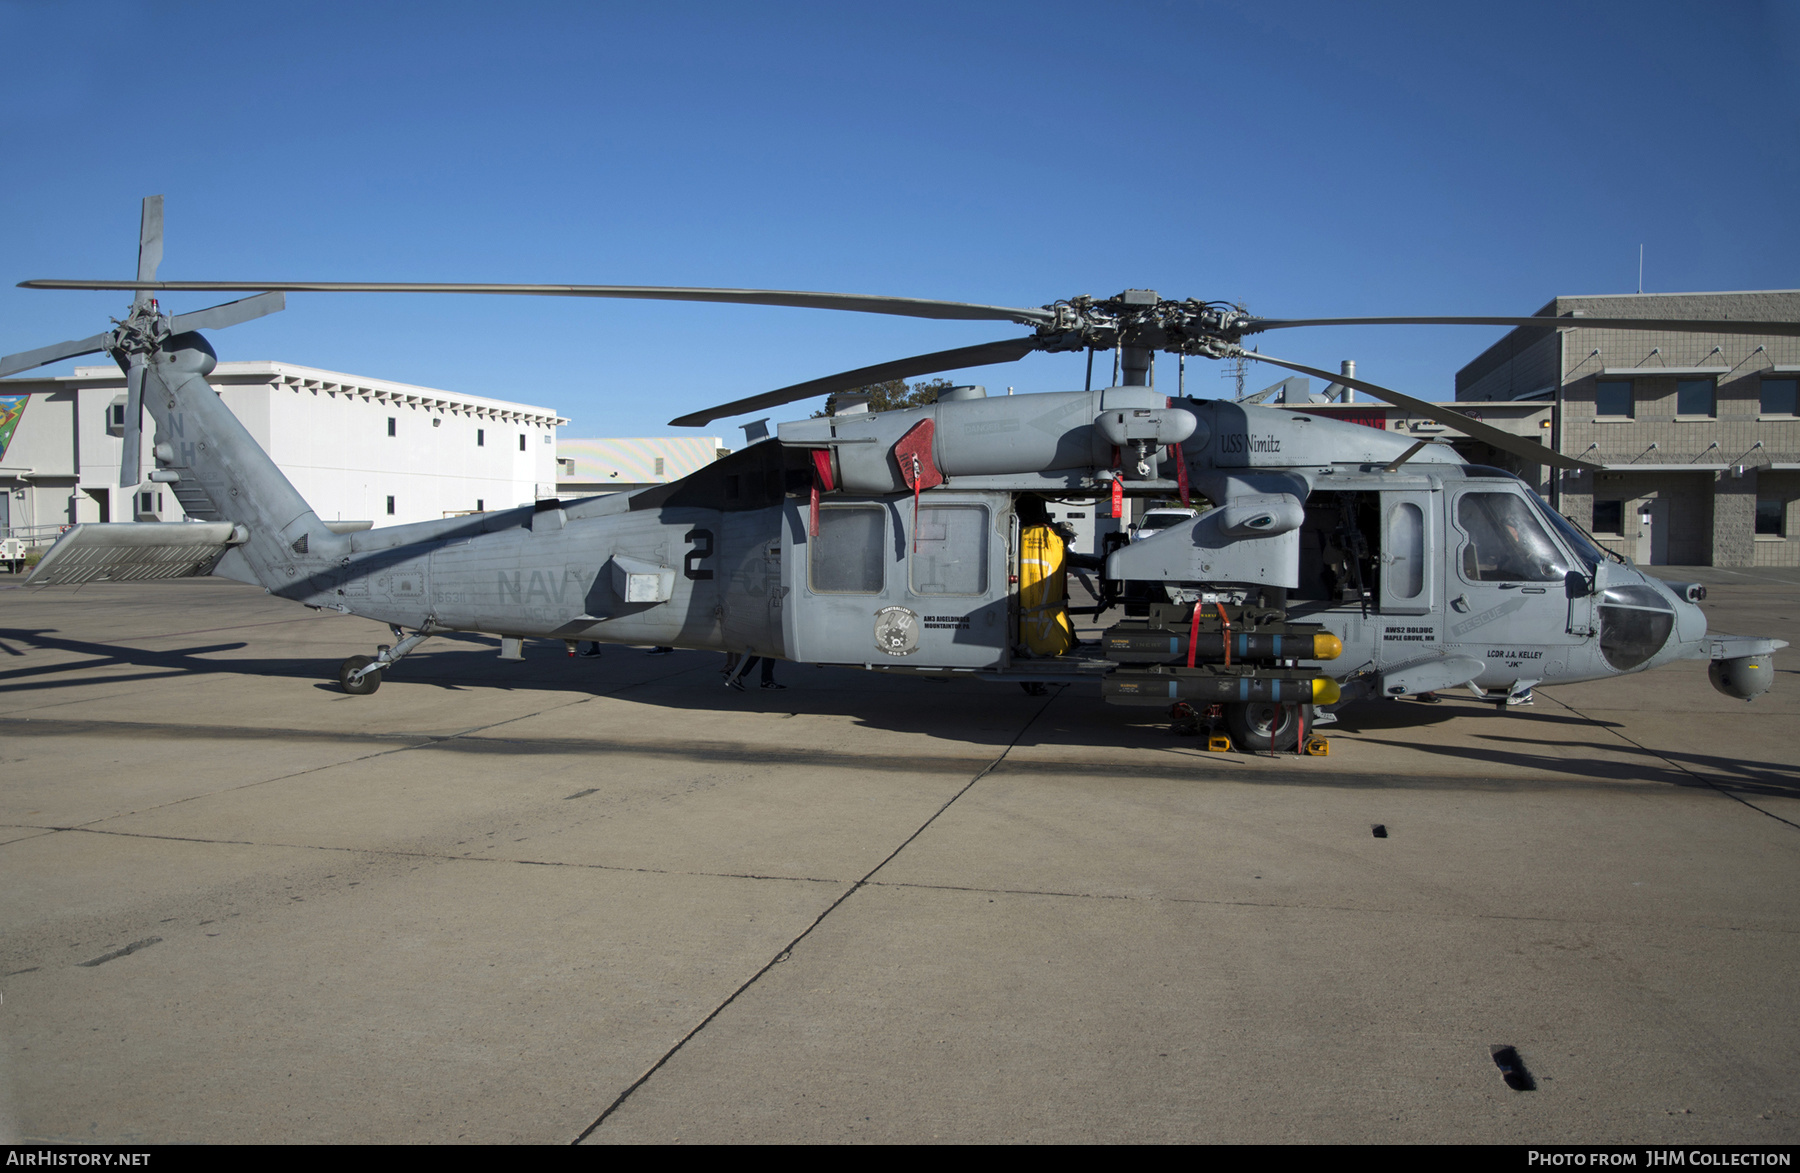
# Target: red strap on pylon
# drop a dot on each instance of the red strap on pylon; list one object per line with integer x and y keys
{"x": 821, "y": 481}
{"x": 1181, "y": 474}
{"x": 913, "y": 454}
{"x": 1194, "y": 633}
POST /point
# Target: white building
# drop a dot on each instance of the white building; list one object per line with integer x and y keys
{"x": 357, "y": 449}
{"x": 611, "y": 465}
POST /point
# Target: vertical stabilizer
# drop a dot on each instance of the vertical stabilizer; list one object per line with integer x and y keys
{"x": 219, "y": 473}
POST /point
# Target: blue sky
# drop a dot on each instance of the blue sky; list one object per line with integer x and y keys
{"x": 1304, "y": 159}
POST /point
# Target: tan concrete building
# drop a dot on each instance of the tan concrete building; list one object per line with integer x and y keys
{"x": 1698, "y": 434}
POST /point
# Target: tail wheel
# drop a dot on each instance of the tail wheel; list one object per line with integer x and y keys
{"x": 368, "y": 684}
{"x": 1262, "y": 726}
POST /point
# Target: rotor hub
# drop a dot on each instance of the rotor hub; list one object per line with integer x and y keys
{"x": 1139, "y": 318}
{"x": 141, "y": 331}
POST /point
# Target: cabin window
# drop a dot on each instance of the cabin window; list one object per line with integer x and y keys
{"x": 950, "y": 551}
{"x": 1406, "y": 551}
{"x": 1505, "y": 542}
{"x": 846, "y": 556}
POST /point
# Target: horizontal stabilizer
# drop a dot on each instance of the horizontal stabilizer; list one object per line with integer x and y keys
{"x": 125, "y": 551}
{"x": 1731, "y": 647}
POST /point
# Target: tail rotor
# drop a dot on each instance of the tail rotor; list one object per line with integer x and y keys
{"x": 132, "y": 341}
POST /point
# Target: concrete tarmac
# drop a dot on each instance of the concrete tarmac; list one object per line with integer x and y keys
{"x": 611, "y": 901}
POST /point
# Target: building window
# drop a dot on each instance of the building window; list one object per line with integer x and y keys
{"x": 659, "y": 466}
{"x": 390, "y": 507}
{"x": 391, "y": 425}
{"x": 1781, "y": 397}
{"x": 480, "y": 505}
{"x": 1694, "y": 397}
{"x": 1609, "y": 518}
{"x": 481, "y": 437}
{"x": 1614, "y": 399}
{"x": 115, "y": 416}
{"x": 521, "y": 441}
{"x": 147, "y": 501}
{"x": 1771, "y": 517}
{"x": 546, "y": 437}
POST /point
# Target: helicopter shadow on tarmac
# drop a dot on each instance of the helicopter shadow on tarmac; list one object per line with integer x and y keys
{"x": 1671, "y": 767}
{"x": 985, "y": 716}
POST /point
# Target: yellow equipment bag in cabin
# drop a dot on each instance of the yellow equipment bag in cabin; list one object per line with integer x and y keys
{"x": 1043, "y": 593}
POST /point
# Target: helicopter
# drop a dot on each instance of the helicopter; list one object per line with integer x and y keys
{"x": 1327, "y": 561}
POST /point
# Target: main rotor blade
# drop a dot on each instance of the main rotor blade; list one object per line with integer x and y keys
{"x": 1681, "y": 325}
{"x": 985, "y": 354}
{"x": 131, "y": 458}
{"x": 150, "y": 232}
{"x": 906, "y": 307}
{"x": 26, "y": 359}
{"x": 229, "y": 314}
{"x": 1475, "y": 429}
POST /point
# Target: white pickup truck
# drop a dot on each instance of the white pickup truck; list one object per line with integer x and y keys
{"x": 1160, "y": 519}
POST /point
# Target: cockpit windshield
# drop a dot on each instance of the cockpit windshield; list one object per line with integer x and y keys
{"x": 1578, "y": 541}
{"x": 1506, "y": 543}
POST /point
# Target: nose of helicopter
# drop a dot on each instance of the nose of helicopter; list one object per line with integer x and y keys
{"x": 1688, "y": 640}
{"x": 1644, "y": 622}
{"x": 1690, "y": 627}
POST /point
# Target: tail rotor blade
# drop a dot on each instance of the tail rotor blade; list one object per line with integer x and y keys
{"x": 229, "y": 314}
{"x": 987, "y": 353}
{"x": 150, "y": 239}
{"x": 1505, "y": 441}
{"x": 131, "y": 459}
{"x": 26, "y": 359}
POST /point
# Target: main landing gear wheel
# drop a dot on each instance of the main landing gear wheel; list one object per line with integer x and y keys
{"x": 368, "y": 684}
{"x": 1262, "y": 726}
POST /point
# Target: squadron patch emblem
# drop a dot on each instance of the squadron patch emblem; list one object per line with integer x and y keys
{"x": 896, "y": 631}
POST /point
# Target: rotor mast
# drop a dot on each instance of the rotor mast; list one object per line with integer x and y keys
{"x": 1135, "y": 360}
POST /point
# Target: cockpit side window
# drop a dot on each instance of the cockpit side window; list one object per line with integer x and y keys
{"x": 1506, "y": 542}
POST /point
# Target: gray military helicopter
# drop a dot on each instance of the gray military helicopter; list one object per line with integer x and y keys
{"x": 1334, "y": 561}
